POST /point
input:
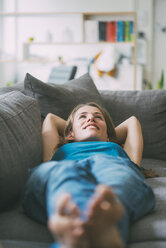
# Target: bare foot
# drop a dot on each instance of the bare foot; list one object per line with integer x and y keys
{"x": 66, "y": 225}
{"x": 105, "y": 211}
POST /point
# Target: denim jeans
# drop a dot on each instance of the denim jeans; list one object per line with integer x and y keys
{"x": 80, "y": 178}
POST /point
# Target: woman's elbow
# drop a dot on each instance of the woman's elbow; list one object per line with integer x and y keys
{"x": 135, "y": 121}
{"x": 134, "y": 118}
{"x": 49, "y": 116}
{"x": 136, "y": 125}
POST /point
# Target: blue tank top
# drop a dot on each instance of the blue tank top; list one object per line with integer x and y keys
{"x": 82, "y": 150}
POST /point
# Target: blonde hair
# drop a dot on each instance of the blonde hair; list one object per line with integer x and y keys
{"x": 110, "y": 126}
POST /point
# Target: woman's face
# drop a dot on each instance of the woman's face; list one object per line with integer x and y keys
{"x": 89, "y": 124}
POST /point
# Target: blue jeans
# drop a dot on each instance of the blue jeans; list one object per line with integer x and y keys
{"x": 79, "y": 179}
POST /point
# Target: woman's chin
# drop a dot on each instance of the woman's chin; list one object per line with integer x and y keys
{"x": 91, "y": 138}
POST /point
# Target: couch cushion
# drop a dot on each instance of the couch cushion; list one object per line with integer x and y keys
{"x": 157, "y": 166}
{"x": 20, "y": 143}
{"x": 15, "y": 225}
{"x": 61, "y": 99}
{"x": 18, "y": 87}
{"x": 152, "y": 226}
{"x": 149, "y": 244}
{"x": 150, "y": 108}
{"x": 21, "y": 244}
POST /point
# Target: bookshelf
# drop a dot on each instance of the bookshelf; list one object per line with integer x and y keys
{"x": 115, "y": 17}
{"x": 82, "y": 19}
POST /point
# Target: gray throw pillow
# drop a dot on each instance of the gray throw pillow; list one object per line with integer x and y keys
{"x": 150, "y": 108}
{"x": 16, "y": 87}
{"x": 20, "y": 143}
{"x": 61, "y": 99}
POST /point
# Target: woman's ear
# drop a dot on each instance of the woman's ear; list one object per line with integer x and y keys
{"x": 70, "y": 136}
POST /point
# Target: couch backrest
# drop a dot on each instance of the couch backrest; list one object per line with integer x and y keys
{"x": 150, "y": 108}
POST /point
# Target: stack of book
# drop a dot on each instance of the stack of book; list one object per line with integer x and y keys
{"x": 110, "y": 31}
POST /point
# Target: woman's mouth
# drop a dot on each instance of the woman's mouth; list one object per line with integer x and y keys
{"x": 91, "y": 125}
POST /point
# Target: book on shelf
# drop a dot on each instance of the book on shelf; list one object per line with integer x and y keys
{"x": 120, "y": 31}
{"x": 102, "y": 30}
{"x": 131, "y": 30}
{"x": 127, "y": 31}
{"x": 91, "y": 31}
{"x": 111, "y": 31}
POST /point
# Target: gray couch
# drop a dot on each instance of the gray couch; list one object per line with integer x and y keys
{"x": 22, "y": 109}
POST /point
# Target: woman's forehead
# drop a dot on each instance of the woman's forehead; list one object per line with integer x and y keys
{"x": 88, "y": 109}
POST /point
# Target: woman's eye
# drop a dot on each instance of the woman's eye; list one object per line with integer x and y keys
{"x": 82, "y": 116}
{"x": 99, "y": 117}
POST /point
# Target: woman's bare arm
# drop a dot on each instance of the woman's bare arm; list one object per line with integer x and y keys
{"x": 129, "y": 133}
{"x": 52, "y": 130}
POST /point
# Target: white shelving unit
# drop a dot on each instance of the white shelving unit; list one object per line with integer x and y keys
{"x": 75, "y": 21}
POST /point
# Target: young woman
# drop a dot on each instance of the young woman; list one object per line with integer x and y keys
{"x": 92, "y": 189}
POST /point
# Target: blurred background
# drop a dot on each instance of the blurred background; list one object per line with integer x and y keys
{"x": 49, "y": 38}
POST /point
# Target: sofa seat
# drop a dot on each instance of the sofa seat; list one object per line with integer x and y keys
{"x": 17, "y": 227}
{"x": 21, "y": 244}
{"x": 18, "y": 230}
{"x": 158, "y": 166}
{"x": 153, "y": 226}
{"x": 150, "y": 244}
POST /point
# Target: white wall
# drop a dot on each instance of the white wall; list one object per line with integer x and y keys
{"x": 1, "y": 25}
{"x": 145, "y": 19}
{"x": 75, "y": 5}
{"x": 159, "y": 40}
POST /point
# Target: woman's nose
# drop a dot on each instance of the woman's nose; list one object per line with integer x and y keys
{"x": 91, "y": 118}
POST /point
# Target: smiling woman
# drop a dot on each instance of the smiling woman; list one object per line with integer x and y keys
{"x": 92, "y": 183}
{"x": 90, "y": 115}
{"x": 88, "y": 122}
